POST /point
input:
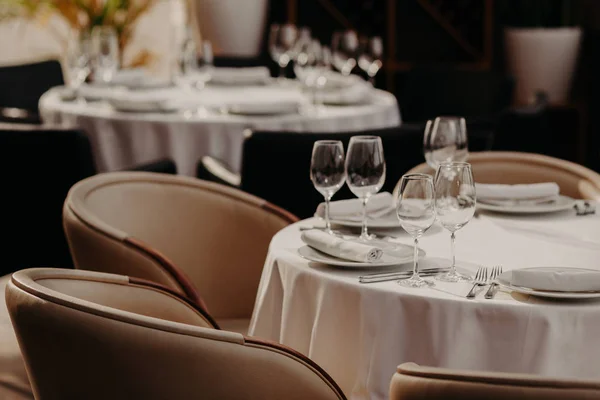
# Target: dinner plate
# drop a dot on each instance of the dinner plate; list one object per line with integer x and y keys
{"x": 561, "y": 204}
{"x": 504, "y": 280}
{"x": 263, "y": 109}
{"x": 389, "y": 220}
{"x": 142, "y": 106}
{"x": 386, "y": 260}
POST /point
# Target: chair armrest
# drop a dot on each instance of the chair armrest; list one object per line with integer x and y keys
{"x": 164, "y": 166}
{"x": 213, "y": 170}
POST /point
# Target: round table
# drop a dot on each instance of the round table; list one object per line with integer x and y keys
{"x": 124, "y": 139}
{"x": 360, "y": 332}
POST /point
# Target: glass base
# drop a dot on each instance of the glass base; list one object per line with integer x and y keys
{"x": 453, "y": 276}
{"x": 415, "y": 282}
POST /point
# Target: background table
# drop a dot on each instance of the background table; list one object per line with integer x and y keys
{"x": 120, "y": 140}
{"x": 360, "y": 332}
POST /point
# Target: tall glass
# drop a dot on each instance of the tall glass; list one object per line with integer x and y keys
{"x": 78, "y": 60}
{"x": 445, "y": 140}
{"x": 370, "y": 59}
{"x": 327, "y": 171}
{"x": 344, "y": 48}
{"x": 105, "y": 49}
{"x": 416, "y": 212}
{"x": 365, "y": 172}
{"x": 282, "y": 39}
{"x": 455, "y": 202}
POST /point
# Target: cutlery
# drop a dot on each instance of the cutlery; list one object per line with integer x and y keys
{"x": 481, "y": 278}
{"x": 393, "y": 276}
{"x": 496, "y": 271}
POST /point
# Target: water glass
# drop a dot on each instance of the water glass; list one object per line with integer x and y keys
{"x": 445, "y": 140}
{"x": 365, "y": 172}
{"x": 416, "y": 213}
{"x": 344, "y": 48}
{"x": 327, "y": 171}
{"x": 105, "y": 49}
{"x": 282, "y": 39}
{"x": 455, "y": 202}
{"x": 78, "y": 60}
{"x": 370, "y": 59}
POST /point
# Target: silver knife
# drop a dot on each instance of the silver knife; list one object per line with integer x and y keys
{"x": 392, "y": 276}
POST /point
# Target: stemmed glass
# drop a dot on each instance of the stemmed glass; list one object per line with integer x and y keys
{"x": 365, "y": 172}
{"x": 445, "y": 140}
{"x": 105, "y": 48}
{"x": 282, "y": 39}
{"x": 455, "y": 205}
{"x": 327, "y": 171}
{"x": 78, "y": 61}
{"x": 370, "y": 57}
{"x": 416, "y": 212}
{"x": 344, "y": 48}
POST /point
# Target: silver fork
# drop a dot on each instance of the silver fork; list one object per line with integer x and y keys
{"x": 496, "y": 271}
{"x": 481, "y": 278}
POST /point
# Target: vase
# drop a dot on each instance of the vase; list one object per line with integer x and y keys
{"x": 542, "y": 59}
{"x": 234, "y": 27}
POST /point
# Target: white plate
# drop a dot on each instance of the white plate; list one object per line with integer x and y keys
{"x": 504, "y": 280}
{"x": 561, "y": 204}
{"x": 146, "y": 106}
{"x": 387, "y": 221}
{"x": 386, "y": 260}
{"x": 263, "y": 108}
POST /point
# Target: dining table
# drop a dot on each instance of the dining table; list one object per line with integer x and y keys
{"x": 121, "y": 139}
{"x": 360, "y": 332}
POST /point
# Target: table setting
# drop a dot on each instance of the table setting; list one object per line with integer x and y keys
{"x": 426, "y": 274}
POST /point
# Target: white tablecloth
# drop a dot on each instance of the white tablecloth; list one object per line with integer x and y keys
{"x": 121, "y": 140}
{"x": 360, "y": 332}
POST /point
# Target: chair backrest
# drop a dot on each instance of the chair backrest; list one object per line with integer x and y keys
{"x": 276, "y": 165}
{"x": 199, "y": 238}
{"x": 573, "y": 179}
{"x": 23, "y": 85}
{"x": 39, "y": 165}
{"x": 413, "y": 382}
{"x": 99, "y": 336}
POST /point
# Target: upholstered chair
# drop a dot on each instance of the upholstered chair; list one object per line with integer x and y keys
{"x": 203, "y": 240}
{"x": 574, "y": 180}
{"x": 91, "y": 335}
{"x": 413, "y": 382}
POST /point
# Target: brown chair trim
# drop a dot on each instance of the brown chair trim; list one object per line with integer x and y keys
{"x": 280, "y": 212}
{"x": 186, "y": 285}
{"x": 162, "y": 288}
{"x": 288, "y": 350}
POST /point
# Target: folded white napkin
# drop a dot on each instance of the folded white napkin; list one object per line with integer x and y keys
{"x": 557, "y": 279}
{"x": 535, "y": 192}
{"x": 240, "y": 76}
{"x": 94, "y": 92}
{"x": 344, "y": 90}
{"x": 340, "y": 248}
{"x": 379, "y": 205}
{"x": 135, "y": 101}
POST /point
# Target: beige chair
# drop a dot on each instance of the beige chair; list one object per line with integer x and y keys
{"x": 413, "y": 382}
{"x": 201, "y": 239}
{"x": 574, "y": 180}
{"x": 91, "y": 335}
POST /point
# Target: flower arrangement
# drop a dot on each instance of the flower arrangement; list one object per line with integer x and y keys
{"x": 84, "y": 15}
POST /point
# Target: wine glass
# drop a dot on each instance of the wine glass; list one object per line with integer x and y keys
{"x": 454, "y": 205}
{"x": 282, "y": 39}
{"x": 105, "y": 48}
{"x": 365, "y": 172}
{"x": 327, "y": 171}
{"x": 416, "y": 212}
{"x": 445, "y": 140}
{"x": 344, "y": 48}
{"x": 370, "y": 57}
{"x": 78, "y": 60}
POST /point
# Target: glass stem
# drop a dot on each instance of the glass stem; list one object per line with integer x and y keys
{"x": 327, "y": 221}
{"x": 364, "y": 233}
{"x": 452, "y": 245}
{"x": 415, "y": 274}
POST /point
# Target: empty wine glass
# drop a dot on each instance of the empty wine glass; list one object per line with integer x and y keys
{"x": 370, "y": 57}
{"x": 416, "y": 212}
{"x": 454, "y": 205}
{"x": 365, "y": 172}
{"x": 327, "y": 171}
{"x": 282, "y": 39}
{"x": 105, "y": 48}
{"x": 344, "y": 48}
{"x": 445, "y": 140}
{"x": 78, "y": 60}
